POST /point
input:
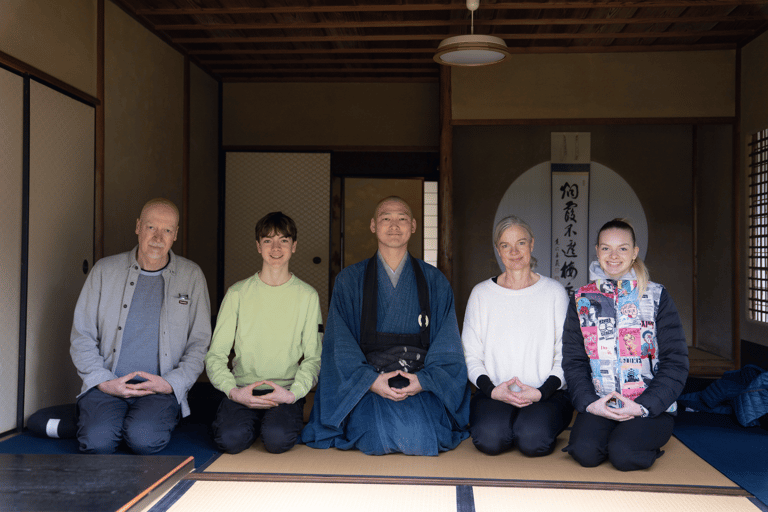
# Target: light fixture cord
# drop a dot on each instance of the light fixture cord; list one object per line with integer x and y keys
{"x": 472, "y": 23}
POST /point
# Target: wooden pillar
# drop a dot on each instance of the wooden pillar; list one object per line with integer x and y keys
{"x": 185, "y": 163}
{"x": 445, "y": 192}
{"x": 98, "y": 177}
{"x": 738, "y": 216}
{"x": 695, "y": 231}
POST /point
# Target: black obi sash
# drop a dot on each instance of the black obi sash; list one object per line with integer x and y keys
{"x": 385, "y": 351}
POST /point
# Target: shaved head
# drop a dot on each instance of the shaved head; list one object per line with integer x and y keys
{"x": 394, "y": 199}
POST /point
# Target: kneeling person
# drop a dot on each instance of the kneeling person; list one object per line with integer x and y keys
{"x": 141, "y": 329}
{"x": 273, "y": 320}
{"x": 393, "y": 377}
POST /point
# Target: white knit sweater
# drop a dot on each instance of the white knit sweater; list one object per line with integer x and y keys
{"x": 515, "y": 333}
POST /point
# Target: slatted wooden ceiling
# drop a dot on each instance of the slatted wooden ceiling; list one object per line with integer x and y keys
{"x": 394, "y": 40}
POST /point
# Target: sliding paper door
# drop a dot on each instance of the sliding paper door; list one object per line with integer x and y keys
{"x": 60, "y": 240}
{"x": 11, "y": 171}
{"x": 299, "y": 185}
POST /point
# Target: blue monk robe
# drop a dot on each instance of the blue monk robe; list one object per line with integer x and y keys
{"x": 347, "y": 415}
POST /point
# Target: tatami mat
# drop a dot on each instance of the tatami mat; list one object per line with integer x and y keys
{"x": 289, "y": 497}
{"x": 679, "y": 466}
{"x": 300, "y": 497}
{"x": 494, "y": 499}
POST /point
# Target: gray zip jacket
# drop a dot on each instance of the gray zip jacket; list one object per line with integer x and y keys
{"x": 102, "y": 310}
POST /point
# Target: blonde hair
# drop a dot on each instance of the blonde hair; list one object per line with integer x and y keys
{"x": 641, "y": 271}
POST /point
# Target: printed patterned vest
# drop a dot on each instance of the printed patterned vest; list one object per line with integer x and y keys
{"x": 619, "y": 332}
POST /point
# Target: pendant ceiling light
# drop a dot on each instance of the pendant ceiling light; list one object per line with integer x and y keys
{"x": 471, "y": 50}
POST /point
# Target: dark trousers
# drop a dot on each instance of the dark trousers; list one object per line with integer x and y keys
{"x": 145, "y": 423}
{"x": 236, "y": 426}
{"x": 629, "y": 445}
{"x": 498, "y": 426}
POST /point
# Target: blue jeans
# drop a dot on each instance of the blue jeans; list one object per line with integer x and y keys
{"x": 145, "y": 423}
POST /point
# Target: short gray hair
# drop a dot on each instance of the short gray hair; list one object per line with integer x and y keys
{"x": 506, "y": 223}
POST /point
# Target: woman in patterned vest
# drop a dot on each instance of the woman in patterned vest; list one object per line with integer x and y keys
{"x": 625, "y": 358}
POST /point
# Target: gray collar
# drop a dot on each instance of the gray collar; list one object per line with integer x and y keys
{"x": 394, "y": 276}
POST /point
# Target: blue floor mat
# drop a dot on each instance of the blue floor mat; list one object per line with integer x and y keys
{"x": 188, "y": 439}
{"x": 738, "y": 452}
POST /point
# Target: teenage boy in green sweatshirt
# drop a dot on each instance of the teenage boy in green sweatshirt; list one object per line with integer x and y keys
{"x": 273, "y": 321}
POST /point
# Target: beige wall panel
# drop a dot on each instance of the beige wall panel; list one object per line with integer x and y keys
{"x": 754, "y": 117}
{"x": 203, "y": 175}
{"x": 60, "y": 239}
{"x": 56, "y": 37}
{"x": 600, "y": 85}
{"x": 299, "y": 185}
{"x": 11, "y": 147}
{"x": 144, "y": 101}
{"x": 331, "y": 114}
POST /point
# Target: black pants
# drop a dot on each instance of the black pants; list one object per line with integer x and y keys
{"x": 629, "y": 445}
{"x": 236, "y": 426}
{"x": 498, "y": 426}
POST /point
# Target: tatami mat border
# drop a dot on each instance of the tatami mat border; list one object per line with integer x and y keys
{"x": 537, "y": 484}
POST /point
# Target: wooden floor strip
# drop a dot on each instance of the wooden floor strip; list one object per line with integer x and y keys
{"x": 484, "y": 482}
{"x": 162, "y": 484}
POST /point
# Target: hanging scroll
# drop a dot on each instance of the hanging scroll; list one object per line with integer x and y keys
{"x": 570, "y": 162}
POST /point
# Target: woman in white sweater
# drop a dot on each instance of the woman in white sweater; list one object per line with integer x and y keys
{"x": 512, "y": 338}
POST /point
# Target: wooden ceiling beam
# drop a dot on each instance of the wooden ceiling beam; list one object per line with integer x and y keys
{"x": 438, "y": 37}
{"x": 377, "y": 70}
{"x": 442, "y": 7}
{"x": 298, "y": 51}
{"x": 454, "y": 23}
{"x": 512, "y": 50}
{"x": 215, "y": 64}
{"x": 334, "y": 79}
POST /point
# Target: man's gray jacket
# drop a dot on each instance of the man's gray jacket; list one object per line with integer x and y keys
{"x": 102, "y": 310}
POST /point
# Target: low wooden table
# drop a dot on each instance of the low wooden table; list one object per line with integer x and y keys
{"x": 87, "y": 482}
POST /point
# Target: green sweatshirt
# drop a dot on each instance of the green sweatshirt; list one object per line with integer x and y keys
{"x": 275, "y": 331}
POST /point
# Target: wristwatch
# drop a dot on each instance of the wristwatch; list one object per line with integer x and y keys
{"x": 645, "y": 411}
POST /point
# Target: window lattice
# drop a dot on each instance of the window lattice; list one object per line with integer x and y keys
{"x": 430, "y": 222}
{"x": 758, "y": 227}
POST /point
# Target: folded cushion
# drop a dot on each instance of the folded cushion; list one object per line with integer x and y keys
{"x": 59, "y": 421}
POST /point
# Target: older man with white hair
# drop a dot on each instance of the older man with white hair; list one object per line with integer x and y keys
{"x": 141, "y": 330}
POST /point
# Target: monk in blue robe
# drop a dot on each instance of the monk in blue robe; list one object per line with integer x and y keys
{"x": 392, "y": 375}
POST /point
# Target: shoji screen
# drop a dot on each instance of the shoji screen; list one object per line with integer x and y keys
{"x": 299, "y": 185}
{"x": 60, "y": 239}
{"x": 11, "y": 141}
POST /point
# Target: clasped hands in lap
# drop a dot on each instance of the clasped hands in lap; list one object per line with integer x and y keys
{"x": 250, "y": 397}
{"x": 381, "y": 386}
{"x": 522, "y": 396}
{"x": 608, "y": 407}
{"x": 123, "y": 387}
